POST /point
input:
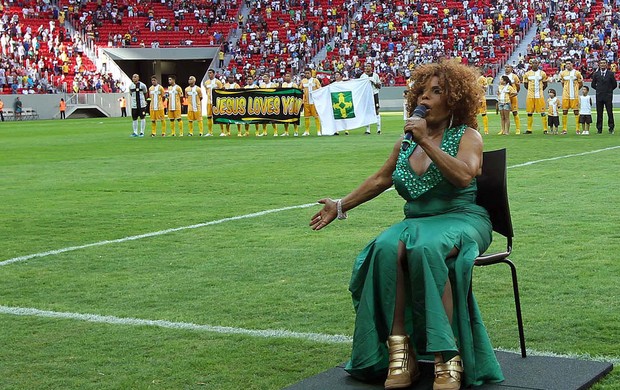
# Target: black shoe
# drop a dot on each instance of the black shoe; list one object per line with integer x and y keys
{"x": 528, "y": 132}
{"x": 611, "y": 131}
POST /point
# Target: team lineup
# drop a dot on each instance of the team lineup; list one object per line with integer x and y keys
{"x": 156, "y": 99}
{"x": 165, "y": 105}
{"x": 575, "y": 97}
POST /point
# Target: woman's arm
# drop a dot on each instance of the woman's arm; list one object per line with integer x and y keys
{"x": 467, "y": 164}
{"x": 370, "y": 188}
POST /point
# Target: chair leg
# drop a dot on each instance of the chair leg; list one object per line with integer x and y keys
{"x": 515, "y": 287}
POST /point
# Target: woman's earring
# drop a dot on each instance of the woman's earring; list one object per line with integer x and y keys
{"x": 451, "y": 118}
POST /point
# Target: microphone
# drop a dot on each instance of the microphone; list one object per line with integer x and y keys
{"x": 418, "y": 112}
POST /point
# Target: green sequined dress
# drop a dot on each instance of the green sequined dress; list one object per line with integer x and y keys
{"x": 438, "y": 217}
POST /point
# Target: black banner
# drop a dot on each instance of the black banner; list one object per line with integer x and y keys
{"x": 259, "y": 105}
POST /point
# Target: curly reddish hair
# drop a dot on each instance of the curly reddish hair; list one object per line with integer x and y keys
{"x": 459, "y": 82}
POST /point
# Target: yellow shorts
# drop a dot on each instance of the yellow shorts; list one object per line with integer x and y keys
{"x": 194, "y": 115}
{"x": 535, "y": 105}
{"x": 514, "y": 103}
{"x": 570, "y": 103}
{"x": 483, "y": 107}
{"x": 176, "y": 114}
{"x": 157, "y": 115}
{"x": 310, "y": 110}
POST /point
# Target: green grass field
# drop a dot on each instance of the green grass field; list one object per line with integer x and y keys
{"x": 210, "y": 237}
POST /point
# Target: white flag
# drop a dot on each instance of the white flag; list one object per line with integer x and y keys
{"x": 345, "y": 105}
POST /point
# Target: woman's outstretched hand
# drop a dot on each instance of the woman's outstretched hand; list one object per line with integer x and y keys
{"x": 328, "y": 213}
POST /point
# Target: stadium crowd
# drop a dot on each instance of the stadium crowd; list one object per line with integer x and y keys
{"x": 582, "y": 31}
{"x": 154, "y": 23}
{"x": 39, "y": 55}
{"x": 394, "y": 37}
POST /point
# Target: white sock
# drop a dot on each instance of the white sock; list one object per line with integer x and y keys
{"x": 378, "y": 122}
{"x": 142, "y": 125}
{"x": 368, "y": 129}
{"x": 134, "y": 126}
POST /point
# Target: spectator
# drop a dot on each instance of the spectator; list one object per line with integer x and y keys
{"x": 63, "y": 108}
{"x": 221, "y": 58}
{"x": 18, "y": 109}
{"x": 123, "y": 104}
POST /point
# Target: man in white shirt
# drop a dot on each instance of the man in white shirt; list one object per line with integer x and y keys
{"x": 376, "y": 85}
{"x": 138, "y": 94}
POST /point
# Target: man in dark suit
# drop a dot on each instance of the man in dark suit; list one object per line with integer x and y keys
{"x": 604, "y": 82}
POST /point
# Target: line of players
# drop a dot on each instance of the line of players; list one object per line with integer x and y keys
{"x": 156, "y": 93}
{"x": 535, "y": 80}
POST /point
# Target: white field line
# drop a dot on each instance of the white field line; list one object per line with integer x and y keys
{"x": 562, "y": 157}
{"x": 266, "y": 333}
{"x": 252, "y": 215}
{"x": 615, "y": 360}
{"x": 152, "y": 234}
{"x": 226, "y": 330}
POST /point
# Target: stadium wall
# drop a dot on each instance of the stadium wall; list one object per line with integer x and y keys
{"x": 47, "y": 106}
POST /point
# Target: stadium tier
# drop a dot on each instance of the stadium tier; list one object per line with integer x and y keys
{"x": 40, "y": 54}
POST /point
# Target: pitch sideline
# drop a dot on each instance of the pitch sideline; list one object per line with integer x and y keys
{"x": 227, "y": 330}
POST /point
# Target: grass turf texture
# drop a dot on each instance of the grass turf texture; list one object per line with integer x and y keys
{"x": 77, "y": 182}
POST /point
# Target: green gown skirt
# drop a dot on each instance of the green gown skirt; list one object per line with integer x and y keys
{"x": 428, "y": 241}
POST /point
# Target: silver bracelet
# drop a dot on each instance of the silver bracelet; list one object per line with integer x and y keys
{"x": 341, "y": 215}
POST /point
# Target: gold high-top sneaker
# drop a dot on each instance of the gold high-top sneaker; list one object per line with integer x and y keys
{"x": 403, "y": 368}
{"x": 448, "y": 374}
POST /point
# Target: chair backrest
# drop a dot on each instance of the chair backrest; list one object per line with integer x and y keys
{"x": 493, "y": 192}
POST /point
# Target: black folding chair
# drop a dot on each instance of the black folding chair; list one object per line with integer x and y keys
{"x": 493, "y": 196}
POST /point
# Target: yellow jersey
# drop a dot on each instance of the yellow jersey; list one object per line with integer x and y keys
{"x": 572, "y": 82}
{"x": 535, "y": 83}
{"x": 194, "y": 95}
{"x": 483, "y": 83}
{"x": 175, "y": 93}
{"x": 232, "y": 86}
{"x": 210, "y": 85}
{"x": 156, "y": 93}
{"x": 309, "y": 85}
{"x": 515, "y": 80}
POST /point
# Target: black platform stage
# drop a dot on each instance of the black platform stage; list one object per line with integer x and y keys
{"x": 533, "y": 372}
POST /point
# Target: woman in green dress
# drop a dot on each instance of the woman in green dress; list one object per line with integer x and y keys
{"x": 411, "y": 285}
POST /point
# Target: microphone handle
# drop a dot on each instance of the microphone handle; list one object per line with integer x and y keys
{"x": 407, "y": 139}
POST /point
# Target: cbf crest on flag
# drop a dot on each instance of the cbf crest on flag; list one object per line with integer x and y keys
{"x": 345, "y": 105}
